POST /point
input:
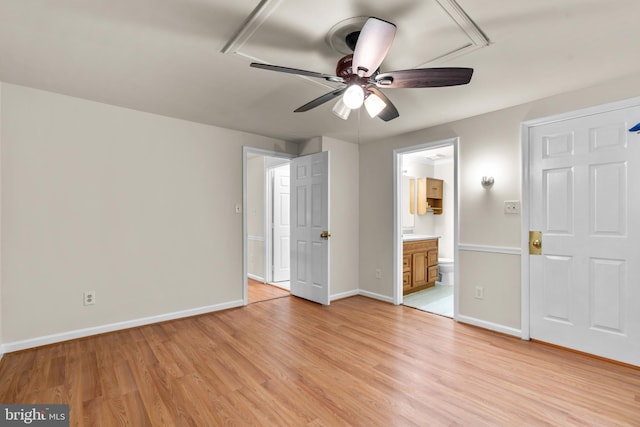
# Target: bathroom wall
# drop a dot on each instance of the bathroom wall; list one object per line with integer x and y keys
{"x": 423, "y": 224}
{"x": 443, "y": 224}
{"x": 440, "y": 225}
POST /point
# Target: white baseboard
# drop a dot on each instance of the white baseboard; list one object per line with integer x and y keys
{"x": 256, "y": 278}
{"x": 342, "y": 295}
{"x": 490, "y": 326}
{"x": 81, "y": 333}
{"x": 375, "y": 296}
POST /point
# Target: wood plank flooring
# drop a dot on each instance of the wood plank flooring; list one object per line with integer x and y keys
{"x": 259, "y": 291}
{"x": 287, "y": 361}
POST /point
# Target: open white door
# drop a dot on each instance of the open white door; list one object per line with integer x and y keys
{"x": 310, "y": 227}
{"x": 281, "y": 224}
{"x": 584, "y": 185}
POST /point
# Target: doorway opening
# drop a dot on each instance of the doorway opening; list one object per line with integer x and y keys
{"x": 425, "y": 224}
{"x": 266, "y": 225}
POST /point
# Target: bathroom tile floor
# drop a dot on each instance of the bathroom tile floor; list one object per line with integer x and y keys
{"x": 438, "y": 300}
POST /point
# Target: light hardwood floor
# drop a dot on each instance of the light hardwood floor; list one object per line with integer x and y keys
{"x": 287, "y": 362}
{"x": 259, "y": 291}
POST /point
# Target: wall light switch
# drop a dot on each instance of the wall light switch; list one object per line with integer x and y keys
{"x": 512, "y": 206}
{"x": 238, "y": 208}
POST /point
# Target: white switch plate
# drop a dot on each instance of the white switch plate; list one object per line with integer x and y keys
{"x": 512, "y": 206}
{"x": 238, "y": 208}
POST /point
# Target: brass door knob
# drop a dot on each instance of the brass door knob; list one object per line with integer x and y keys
{"x": 536, "y": 244}
{"x": 325, "y": 235}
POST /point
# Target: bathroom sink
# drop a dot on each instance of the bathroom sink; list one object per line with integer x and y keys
{"x": 411, "y": 237}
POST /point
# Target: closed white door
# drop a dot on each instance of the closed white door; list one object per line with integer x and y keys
{"x": 585, "y": 199}
{"x": 281, "y": 224}
{"x": 309, "y": 221}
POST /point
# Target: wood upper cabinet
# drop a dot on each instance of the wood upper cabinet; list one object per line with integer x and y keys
{"x": 434, "y": 188}
{"x": 434, "y": 194}
{"x": 430, "y": 196}
{"x": 419, "y": 265}
{"x": 422, "y": 196}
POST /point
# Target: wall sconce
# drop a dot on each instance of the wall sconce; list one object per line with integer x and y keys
{"x": 487, "y": 181}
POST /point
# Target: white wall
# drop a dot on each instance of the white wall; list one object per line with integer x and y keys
{"x": 489, "y": 145}
{"x": 443, "y": 224}
{"x": 344, "y": 214}
{"x": 138, "y": 207}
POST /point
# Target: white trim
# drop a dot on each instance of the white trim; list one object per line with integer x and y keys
{"x": 526, "y": 202}
{"x": 342, "y": 295}
{"x": 508, "y": 330}
{"x": 524, "y": 236}
{"x": 508, "y": 250}
{"x": 583, "y": 112}
{"x": 466, "y": 24}
{"x": 373, "y": 295}
{"x": 254, "y": 277}
{"x": 256, "y": 238}
{"x": 256, "y": 19}
{"x": 96, "y": 330}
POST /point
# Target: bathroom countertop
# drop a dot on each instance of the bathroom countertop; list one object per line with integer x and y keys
{"x": 412, "y": 237}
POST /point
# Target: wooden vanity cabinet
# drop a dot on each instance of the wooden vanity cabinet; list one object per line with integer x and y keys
{"x": 419, "y": 265}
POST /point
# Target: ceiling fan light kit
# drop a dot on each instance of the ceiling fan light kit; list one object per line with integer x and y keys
{"x": 341, "y": 110}
{"x": 360, "y": 74}
{"x": 374, "y": 105}
{"x": 353, "y": 97}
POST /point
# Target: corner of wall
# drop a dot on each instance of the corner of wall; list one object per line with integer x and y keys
{"x": 311, "y": 146}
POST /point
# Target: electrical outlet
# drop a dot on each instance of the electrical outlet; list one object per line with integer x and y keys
{"x": 512, "y": 206}
{"x": 479, "y": 292}
{"x": 89, "y": 297}
{"x": 378, "y": 273}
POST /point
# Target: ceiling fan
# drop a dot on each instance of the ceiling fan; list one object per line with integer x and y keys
{"x": 360, "y": 74}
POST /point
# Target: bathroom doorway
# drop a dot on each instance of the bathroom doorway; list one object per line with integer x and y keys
{"x": 425, "y": 224}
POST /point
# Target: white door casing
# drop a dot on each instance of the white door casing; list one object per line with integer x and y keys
{"x": 281, "y": 223}
{"x": 584, "y": 180}
{"x": 309, "y": 218}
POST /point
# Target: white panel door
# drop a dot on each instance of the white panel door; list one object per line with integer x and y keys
{"x": 585, "y": 198}
{"x": 309, "y": 219}
{"x": 281, "y": 224}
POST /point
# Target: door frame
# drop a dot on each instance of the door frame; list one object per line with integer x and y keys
{"x": 397, "y": 215}
{"x": 246, "y": 151}
{"x": 526, "y": 196}
{"x": 270, "y": 164}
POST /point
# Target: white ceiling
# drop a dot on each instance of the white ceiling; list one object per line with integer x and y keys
{"x": 165, "y": 56}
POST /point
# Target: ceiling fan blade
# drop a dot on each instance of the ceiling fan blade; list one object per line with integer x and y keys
{"x": 389, "y": 112}
{"x": 298, "y": 72}
{"x": 374, "y": 42}
{"x": 320, "y": 100}
{"x": 425, "y": 77}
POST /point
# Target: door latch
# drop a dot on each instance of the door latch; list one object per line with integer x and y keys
{"x": 535, "y": 242}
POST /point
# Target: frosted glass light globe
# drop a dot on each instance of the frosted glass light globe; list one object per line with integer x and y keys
{"x": 353, "y": 97}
